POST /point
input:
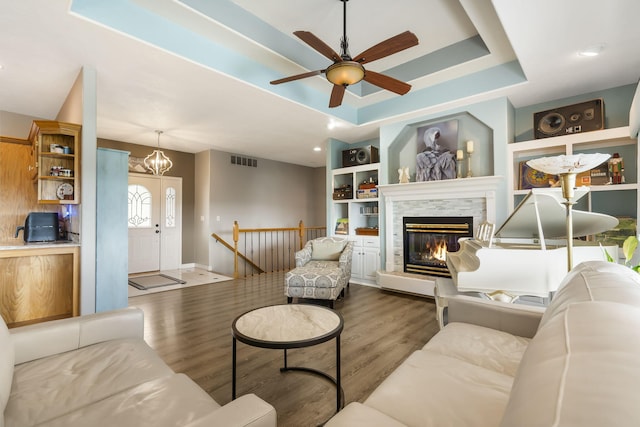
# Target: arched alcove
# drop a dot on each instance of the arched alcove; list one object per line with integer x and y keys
{"x": 403, "y": 149}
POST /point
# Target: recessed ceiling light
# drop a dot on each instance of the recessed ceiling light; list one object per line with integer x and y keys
{"x": 594, "y": 50}
{"x": 317, "y": 149}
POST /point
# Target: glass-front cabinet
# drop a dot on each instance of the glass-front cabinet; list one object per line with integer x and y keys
{"x": 57, "y": 153}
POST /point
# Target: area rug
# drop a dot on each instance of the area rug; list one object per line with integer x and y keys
{"x": 145, "y": 283}
{"x": 189, "y": 278}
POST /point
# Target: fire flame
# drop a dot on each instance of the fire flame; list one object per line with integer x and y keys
{"x": 439, "y": 251}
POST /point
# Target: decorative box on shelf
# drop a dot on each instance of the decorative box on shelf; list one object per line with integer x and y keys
{"x": 343, "y": 192}
{"x": 367, "y": 231}
{"x": 370, "y": 193}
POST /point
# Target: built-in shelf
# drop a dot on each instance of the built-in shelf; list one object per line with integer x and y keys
{"x": 613, "y": 199}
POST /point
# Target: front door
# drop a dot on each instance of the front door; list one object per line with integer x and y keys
{"x": 144, "y": 223}
{"x": 155, "y": 223}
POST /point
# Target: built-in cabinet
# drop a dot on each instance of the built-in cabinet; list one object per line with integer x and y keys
{"x": 356, "y": 209}
{"x": 366, "y": 259}
{"x": 354, "y": 213}
{"x": 39, "y": 282}
{"x": 620, "y": 200}
{"x": 57, "y": 155}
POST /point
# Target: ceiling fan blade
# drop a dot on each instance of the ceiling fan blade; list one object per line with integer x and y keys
{"x": 336, "y": 95}
{"x": 318, "y": 45}
{"x": 297, "y": 77}
{"x": 388, "y": 47}
{"x": 386, "y": 82}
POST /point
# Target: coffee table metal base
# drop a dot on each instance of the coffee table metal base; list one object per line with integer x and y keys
{"x": 335, "y": 381}
{"x": 322, "y": 324}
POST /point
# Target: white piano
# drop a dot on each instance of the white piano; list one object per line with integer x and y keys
{"x": 528, "y": 255}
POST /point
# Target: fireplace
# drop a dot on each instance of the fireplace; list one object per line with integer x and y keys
{"x": 428, "y": 239}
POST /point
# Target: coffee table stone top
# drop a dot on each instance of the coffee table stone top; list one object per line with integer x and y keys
{"x": 287, "y": 325}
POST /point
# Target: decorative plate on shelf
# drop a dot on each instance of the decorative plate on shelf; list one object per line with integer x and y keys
{"x": 64, "y": 191}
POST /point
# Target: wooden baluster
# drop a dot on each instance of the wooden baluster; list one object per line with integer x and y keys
{"x": 236, "y": 236}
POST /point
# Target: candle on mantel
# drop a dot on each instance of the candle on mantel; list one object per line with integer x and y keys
{"x": 459, "y": 155}
{"x": 469, "y": 147}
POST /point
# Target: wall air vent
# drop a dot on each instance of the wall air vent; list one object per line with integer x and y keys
{"x": 244, "y": 161}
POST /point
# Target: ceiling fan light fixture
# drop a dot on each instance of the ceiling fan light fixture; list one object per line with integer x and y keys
{"x": 345, "y": 73}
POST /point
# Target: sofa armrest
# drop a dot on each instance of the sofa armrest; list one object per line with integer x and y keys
{"x": 248, "y": 410}
{"x": 516, "y": 319}
{"x": 346, "y": 257}
{"x": 58, "y": 336}
{"x": 358, "y": 415}
{"x": 303, "y": 256}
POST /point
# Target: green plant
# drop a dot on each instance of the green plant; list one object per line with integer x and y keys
{"x": 628, "y": 249}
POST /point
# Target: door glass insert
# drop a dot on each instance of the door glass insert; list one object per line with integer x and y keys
{"x": 170, "y": 207}
{"x": 139, "y": 205}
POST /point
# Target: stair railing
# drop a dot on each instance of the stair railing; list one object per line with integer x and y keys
{"x": 262, "y": 250}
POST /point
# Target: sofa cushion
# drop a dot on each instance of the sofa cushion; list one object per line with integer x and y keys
{"x": 592, "y": 281}
{"x": 480, "y": 346}
{"x": 434, "y": 390}
{"x": 53, "y": 386}
{"x": 169, "y": 401}
{"x": 327, "y": 250}
{"x": 6, "y": 367}
{"x": 581, "y": 369}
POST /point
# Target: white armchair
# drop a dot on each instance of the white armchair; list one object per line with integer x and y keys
{"x": 323, "y": 270}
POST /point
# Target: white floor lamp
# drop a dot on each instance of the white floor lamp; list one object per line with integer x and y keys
{"x": 567, "y": 167}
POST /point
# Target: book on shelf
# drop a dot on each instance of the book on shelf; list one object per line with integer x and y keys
{"x": 342, "y": 226}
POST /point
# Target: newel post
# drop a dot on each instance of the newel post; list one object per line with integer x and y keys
{"x": 301, "y": 233}
{"x": 236, "y": 237}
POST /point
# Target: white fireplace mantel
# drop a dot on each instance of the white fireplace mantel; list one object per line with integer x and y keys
{"x": 453, "y": 188}
{"x": 425, "y": 194}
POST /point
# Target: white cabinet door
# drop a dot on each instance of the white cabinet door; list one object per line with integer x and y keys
{"x": 356, "y": 263}
{"x": 370, "y": 263}
{"x": 366, "y": 260}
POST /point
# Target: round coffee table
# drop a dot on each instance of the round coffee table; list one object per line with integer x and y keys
{"x": 289, "y": 326}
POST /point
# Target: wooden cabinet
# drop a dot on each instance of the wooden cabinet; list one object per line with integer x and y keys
{"x": 57, "y": 153}
{"x": 39, "y": 283}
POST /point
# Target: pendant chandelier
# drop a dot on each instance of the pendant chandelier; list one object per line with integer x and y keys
{"x": 157, "y": 162}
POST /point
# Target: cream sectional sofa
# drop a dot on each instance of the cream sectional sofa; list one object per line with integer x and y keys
{"x": 97, "y": 370}
{"x": 579, "y": 365}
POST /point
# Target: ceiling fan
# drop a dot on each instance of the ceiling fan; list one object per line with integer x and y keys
{"x": 346, "y": 70}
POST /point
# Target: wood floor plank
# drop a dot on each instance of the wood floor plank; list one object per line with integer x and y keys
{"x": 190, "y": 329}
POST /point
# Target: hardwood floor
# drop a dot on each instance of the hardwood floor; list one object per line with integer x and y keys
{"x": 191, "y": 330}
